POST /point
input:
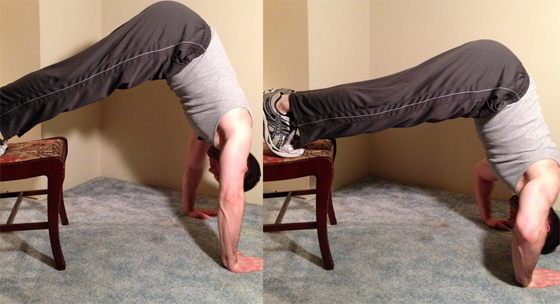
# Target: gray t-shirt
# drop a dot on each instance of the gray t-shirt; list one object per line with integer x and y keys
{"x": 515, "y": 138}
{"x": 208, "y": 88}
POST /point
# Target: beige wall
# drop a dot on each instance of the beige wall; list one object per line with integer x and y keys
{"x": 311, "y": 44}
{"x": 286, "y": 49}
{"x": 19, "y": 54}
{"x": 286, "y": 58}
{"x": 37, "y": 32}
{"x": 139, "y": 134}
{"x": 404, "y": 33}
{"x": 145, "y": 133}
{"x": 17, "y": 40}
{"x": 338, "y": 51}
{"x": 66, "y": 28}
{"x": 336, "y": 41}
{"x": 356, "y": 40}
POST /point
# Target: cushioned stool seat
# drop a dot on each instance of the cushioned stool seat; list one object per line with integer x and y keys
{"x": 318, "y": 161}
{"x": 45, "y": 157}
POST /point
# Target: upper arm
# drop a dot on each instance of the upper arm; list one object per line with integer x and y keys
{"x": 542, "y": 177}
{"x": 235, "y": 136}
{"x": 537, "y": 194}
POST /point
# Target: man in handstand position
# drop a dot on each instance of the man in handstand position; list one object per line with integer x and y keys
{"x": 165, "y": 41}
{"x": 482, "y": 80}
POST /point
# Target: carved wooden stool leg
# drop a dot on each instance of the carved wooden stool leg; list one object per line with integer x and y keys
{"x": 53, "y": 212}
{"x": 317, "y": 161}
{"x": 38, "y": 158}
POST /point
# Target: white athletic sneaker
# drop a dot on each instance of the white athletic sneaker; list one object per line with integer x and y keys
{"x": 3, "y": 147}
{"x": 279, "y": 129}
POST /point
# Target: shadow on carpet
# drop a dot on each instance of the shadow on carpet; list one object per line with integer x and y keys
{"x": 396, "y": 244}
{"x": 126, "y": 243}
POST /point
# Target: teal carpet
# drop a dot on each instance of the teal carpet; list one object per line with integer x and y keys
{"x": 396, "y": 244}
{"x": 126, "y": 243}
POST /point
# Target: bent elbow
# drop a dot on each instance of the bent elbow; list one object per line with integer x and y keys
{"x": 529, "y": 235}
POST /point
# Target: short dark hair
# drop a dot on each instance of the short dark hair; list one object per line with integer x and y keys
{"x": 253, "y": 174}
{"x": 552, "y": 236}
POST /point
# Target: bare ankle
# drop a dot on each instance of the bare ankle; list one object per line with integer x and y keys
{"x": 283, "y": 104}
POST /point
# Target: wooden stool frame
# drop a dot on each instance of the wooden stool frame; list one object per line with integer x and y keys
{"x": 322, "y": 167}
{"x": 54, "y": 169}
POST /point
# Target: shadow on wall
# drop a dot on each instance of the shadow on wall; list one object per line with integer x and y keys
{"x": 145, "y": 137}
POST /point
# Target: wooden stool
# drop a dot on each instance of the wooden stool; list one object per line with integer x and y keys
{"x": 31, "y": 159}
{"x": 318, "y": 160}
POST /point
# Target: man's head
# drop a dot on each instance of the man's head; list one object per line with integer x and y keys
{"x": 553, "y": 234}
{"x": 252, "y": 176}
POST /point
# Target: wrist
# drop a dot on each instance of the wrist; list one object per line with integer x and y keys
{"x": 229, "y": 261}
{"x": 188, "y": 209}
{"x": 486, "y": 215}
{"x": 525, "y": 282}
{"x": 486, "y": 219}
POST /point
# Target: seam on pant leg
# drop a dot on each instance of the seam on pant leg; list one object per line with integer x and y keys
{"x": 102, "y": 72}
{"x": 409, "y": 105}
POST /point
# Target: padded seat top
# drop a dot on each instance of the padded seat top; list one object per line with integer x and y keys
{"x": 35, "y": 149}
{"x": 320, "y": 148}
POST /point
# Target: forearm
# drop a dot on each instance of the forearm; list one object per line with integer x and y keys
{"x": 230, "y": 218}
{"x": 484, "y": 181}
{"x": 191, "y": 180}
{"x": 234, "y": 142}
{"x": 193, "y": 171}
{"x": 536, "y": 197}
{"x": 484, "y": 202}
{"x": 525, "y": 255}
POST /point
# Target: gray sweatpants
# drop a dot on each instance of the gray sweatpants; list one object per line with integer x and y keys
{"x": 477, "y": 79}
{"x": 482, "y": 80}
{"x": 156, "y": 44}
